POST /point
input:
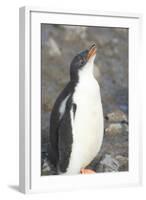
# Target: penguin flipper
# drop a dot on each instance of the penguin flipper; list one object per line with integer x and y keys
{"x": 65, "y": 140}
{"x": 55, "y": 121}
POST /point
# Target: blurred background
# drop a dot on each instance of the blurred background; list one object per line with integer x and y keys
{"x": 59, "y": 44}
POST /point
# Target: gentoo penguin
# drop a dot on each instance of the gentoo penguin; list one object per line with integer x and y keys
{"x": 76, "y": 123}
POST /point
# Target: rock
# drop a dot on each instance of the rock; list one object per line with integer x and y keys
{"x": 123, "y": 162}
{"x": 44, "y": 137}
{"x": 115, "y": 41}
{"x": 53, "y": 49}
{"x": 44, "y": 148}
{"x": 45, "y": 166}
{"x": 125, "y": 127}
{"x": 116, "y": 116}
{"x": 108, "y": 51}
{"x": 45, "y": 120}
{"x": 109, "y": 164}
{"x": 114, "y": 129}
{"x": 72, "y": 32}
{"x": 48, "y": 169}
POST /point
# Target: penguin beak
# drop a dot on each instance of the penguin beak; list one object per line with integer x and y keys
{"x": 92, "y": 51}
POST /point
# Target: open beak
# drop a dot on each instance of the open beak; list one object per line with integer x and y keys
{"x": 91, "y": 51}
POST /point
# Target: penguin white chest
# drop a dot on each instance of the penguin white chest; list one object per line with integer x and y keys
{"x": 87, "y": 125}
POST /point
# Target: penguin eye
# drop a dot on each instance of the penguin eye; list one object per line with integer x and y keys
{"x": 81, "y": 61}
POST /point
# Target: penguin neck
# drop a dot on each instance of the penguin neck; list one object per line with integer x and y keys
{"x": 86, "y": 72}
{"x": 83, "y": 74}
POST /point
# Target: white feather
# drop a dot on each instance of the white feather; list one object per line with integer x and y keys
{"x": 62, "y": 107}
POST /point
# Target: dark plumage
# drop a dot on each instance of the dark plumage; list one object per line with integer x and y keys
{"x": 59, "y": 128}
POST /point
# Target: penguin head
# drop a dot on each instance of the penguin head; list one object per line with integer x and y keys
{"x": 83, "y": 61}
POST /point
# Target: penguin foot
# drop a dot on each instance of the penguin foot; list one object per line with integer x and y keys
{"x": 87, "y": 171}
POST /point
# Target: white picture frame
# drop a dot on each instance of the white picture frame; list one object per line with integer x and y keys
{"x": 30, "y": 178}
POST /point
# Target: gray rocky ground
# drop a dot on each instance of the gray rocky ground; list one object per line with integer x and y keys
{"x": 59, "y": 45}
